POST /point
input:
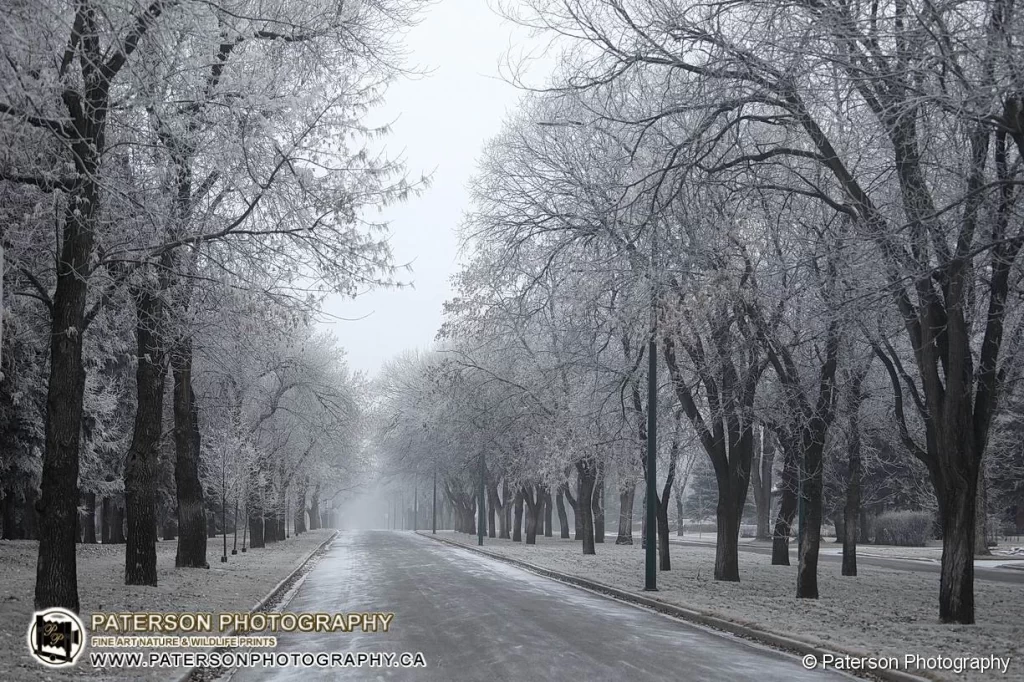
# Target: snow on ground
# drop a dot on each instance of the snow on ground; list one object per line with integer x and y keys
{"x": 881, "y": 612}
{"x": 234, "y": 586}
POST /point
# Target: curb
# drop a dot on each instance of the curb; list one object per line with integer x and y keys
{"x": 272, "y": 594}
{"x": 762, "y": 636}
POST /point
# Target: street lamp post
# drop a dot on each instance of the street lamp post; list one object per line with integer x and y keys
{"x": 433, "y": 506}
{"x": 481, "y": 517}
{"x": 651, "y": 557}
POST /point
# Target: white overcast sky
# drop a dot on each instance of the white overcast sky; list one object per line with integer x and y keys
{"x": 441, "y": 123}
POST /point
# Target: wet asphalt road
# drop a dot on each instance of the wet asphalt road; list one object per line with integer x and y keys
{"x": 479, "y": 620}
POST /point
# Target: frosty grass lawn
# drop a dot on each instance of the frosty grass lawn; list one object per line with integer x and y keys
{"x": 881, "y": 612}
{"x": 234, "y": 586}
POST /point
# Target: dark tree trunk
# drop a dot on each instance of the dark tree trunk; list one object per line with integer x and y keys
{"x": 851, "y": 510}
{"x": 257, "y": 538}
{"x": 140, "y": 471}
{"x": 563, "y": 518}
{"x": 492, "y": 510}
{"x": 281, "y": 513}
{"x": 664, "y": 562}
{"x": 680, "y": 525}
{"x": 598, "y": 505}
{"x": 577, "y": 517}
{"x": 761, "y": 481}
{"x": 956, "y": 582}
{"x": 211, "y": 524}
{"x": 547, "y": 513}
{"x": 300, "y": 508}
{"x": 470, "y": 515}
{"x": 56, "y": 567}
{"x": 89, "y": 519}
{"x": 727, "y": 549}
{"x": 118, "y": 522}
{"x": 270, "y": 531}
{"x": 501, "y": 505}
{"x": 517, "y": 517}
{"x": 106, "y": 511}
{"x": 588, "y": 478}
{"x": 810, "y": 530}
{"x": 314, "y": 509}
{"x": 506, "y": 508}
{"x": 533, "y": 504}
{"x": 191, "y": 510}
{"x": 787, "y": 510}
{"x": 981, "y": 517}
{"x": 626, "y": 499}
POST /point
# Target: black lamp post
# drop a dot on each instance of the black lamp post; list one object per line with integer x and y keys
{"x": 482, "y": 519}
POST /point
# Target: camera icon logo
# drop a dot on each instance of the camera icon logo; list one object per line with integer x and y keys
{"x": 56, "y": 637}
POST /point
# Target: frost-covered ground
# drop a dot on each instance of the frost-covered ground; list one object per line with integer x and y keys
{"x": 880, "y": 612}
{"x": 234, "y": 586}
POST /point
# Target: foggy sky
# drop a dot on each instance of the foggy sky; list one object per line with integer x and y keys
{"x": 441, "y": 123}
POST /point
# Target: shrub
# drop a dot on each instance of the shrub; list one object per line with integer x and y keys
{"x": 903, "y": 528}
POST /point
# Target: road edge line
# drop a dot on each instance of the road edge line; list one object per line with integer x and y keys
{"x": 758, "y": 635}
{"x": 184, "y": 677}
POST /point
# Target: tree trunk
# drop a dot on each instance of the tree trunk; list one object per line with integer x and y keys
{"x": 577, "y": 517}
{"x": 851, "y": 511}
{"x": 300, "y": 508}
{"x": 680, "y": 525}
{"x": 117, "y": 522}
{"x": 664, "y": 561}
{"x": 956, "y": 582}
{"x": 106, "y": 514}
{"x": 282, "y": 515}
{"x": 787, "y": 510}
{"x": 563, "y": 518}
{"x": 314, "y": 509}
{"x": 170, "y": 528}
{"x": 257, "y": 538}
{"x": 141, "y": 463}
{"x": 506, "y": 508}
{"x": 517, "y": 518}
{"x": 191, "y": 510}
{"x": 598, "y": 505}
{"x": 626, "y": 498}
{"x": 727, "y": 549}
{"x": 761, "y": 481}
{"x": 810, "y": 530}
{"x": 57, "y": 507}
{"x": 587, "y": 477}
{"x": 547, "y": 513}
{"x": 492, "y": 510}
{"x": 981, "y": 517}
{"x": 89, "y": 519}
{"x": 532, "y": 514}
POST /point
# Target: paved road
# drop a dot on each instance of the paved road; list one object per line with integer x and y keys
{"x": 999, "y": 575}
{"x": 477, "y": 619}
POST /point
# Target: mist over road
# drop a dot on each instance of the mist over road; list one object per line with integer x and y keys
{"x": 476, "y": 619}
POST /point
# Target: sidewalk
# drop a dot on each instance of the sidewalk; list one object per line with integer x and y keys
{"x": 232, "y": 586}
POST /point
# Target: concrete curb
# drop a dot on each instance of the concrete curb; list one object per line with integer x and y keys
{"x": 762, "y": 636}
{"x": 274, "y": 592}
